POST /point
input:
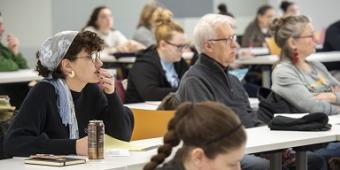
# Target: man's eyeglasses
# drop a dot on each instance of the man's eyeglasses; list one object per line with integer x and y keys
{"x": 179, "y": 47}
{"x": 230, "y": 38}
{"x": 95, "y": 56}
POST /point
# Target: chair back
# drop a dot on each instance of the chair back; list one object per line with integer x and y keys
{"x": 150, "y": 123}
{"x": 273, "y": 48}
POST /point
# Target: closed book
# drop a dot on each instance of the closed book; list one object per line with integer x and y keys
{"x": 57, "y": 161}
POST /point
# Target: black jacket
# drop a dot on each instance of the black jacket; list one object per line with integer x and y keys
{"x": 147, "y": 80}
{"x": 332, "y": 38}
{"x": 207, "y": 81}
{"x": 38, "y": 128}
{"x": 271, "y": 103}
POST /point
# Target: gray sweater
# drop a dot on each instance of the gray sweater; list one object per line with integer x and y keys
{"x": 145, "y": 36}
{"x": 207, "y": 81}
{"x": 298, "y": 87}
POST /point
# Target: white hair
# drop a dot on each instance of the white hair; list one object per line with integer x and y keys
{"x": 206, "y": 28}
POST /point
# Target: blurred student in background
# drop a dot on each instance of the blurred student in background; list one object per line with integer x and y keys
{"x": 101, "y": 22}
{"x": 144, "y": 33}
{"x": 257, "y": 30}
{"x": 289, "y": 8}
{"x": 12, "y": 60}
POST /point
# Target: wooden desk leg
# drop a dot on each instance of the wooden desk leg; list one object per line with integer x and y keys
{"x": 301, "y": 160}
{"x": 275, "y": 160}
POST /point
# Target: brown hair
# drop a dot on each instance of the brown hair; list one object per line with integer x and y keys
{"x": 145, "y": 18}
{"x": 287, "y": 27}
{"x": 165, "y": 25}
{"x": 84, "y": 40}
{"x": 94, "y": 17}
{"x": 208, "y": 125}
{"x": 262, "y": 11}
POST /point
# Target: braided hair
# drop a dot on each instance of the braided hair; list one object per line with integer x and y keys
{"x": 208, "y": 125}
{"x": 287, "y": 27}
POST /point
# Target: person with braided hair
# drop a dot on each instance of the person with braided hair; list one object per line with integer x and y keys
{"x": 210, "y": 141}
{"x": 159, "y": 68}
{"x": 305, "y": 84}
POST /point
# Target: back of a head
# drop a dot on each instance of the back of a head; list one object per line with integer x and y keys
{"x": 222, "y": 8}
{"x": 263, "y": 9}
{"x": 146, "y": 14}
{"x": 205, "y": 29}
{"x": 208, "y": 125}
{"x": 284, "y": 5}
{"x": 287, "y": 27}
{"x": 164, "y": 25}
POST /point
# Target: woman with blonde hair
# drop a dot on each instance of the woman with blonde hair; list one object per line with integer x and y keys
{"x": 159, "y": 68}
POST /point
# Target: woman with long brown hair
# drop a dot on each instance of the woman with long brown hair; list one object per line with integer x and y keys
{"x": 212, "y": 137}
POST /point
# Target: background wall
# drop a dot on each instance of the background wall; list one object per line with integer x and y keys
{"x": 32, "y": 21}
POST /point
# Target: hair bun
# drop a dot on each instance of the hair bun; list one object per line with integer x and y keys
{"x": 276, "y": 24}
{"x": 162, "y": 16}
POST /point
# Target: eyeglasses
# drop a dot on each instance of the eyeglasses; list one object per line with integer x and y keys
{"x": 179, "y": 47}
{"x": 232, "y": 38}
{"x": 305, "y": 36}
{"x": 95, "y": 56}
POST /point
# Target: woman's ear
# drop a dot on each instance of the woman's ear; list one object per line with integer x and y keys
{"x": 198, "y": 157}
{"x": 66, "y": 66}
{"x": 162, "y": 44}
{"x": 291, "y": 42}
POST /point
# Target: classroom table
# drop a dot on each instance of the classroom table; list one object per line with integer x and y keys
{"x": 152, "y": 105}
{"x": 267, "y": 61}
{"x": 260, "y": 139}
{"x": 24, "y": 75}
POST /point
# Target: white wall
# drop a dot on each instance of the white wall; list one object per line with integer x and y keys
{"x": 32, "y": 21}
{"x": 322, "y": 12}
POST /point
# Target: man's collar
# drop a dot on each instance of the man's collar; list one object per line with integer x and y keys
{"x": 213, "y": 60}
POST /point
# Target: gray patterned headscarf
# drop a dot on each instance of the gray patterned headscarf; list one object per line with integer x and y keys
{"x": 51, "y": 52}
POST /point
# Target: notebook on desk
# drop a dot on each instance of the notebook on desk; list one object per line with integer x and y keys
{"x": 53, "y": 160}
{"x": 113, "y": 143}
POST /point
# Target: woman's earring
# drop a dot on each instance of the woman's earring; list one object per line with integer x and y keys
{"x": 72, "y": 74}
{"x": 295, "y": 58}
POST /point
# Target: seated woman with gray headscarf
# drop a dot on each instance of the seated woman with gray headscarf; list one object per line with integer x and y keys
{"x": 54, "y": 116}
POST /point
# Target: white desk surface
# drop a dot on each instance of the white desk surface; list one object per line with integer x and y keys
{"x": 260, "y": 139}
{"x": 112, "y": 59}
{"x": 130, "y": 60}
{"x": 272, "y": 59}
{"x": 259, "y": 60}
{"x": 25, "y": 75}
{"x": 255, "y": 50}
{"x": 325, "y": 56}
{"x": 152, "y": 105}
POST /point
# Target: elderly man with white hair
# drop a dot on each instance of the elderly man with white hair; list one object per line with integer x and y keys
{"x": 208, "y": 79}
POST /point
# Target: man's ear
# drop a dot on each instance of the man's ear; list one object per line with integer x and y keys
{"x": 207, "y": 46}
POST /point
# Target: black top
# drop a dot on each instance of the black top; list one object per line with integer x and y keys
{"x": 208, "y": 81}
{"x": 147, "y": 80}
{"x": 38, "y": 127}
{"x": 332, "y": 38}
